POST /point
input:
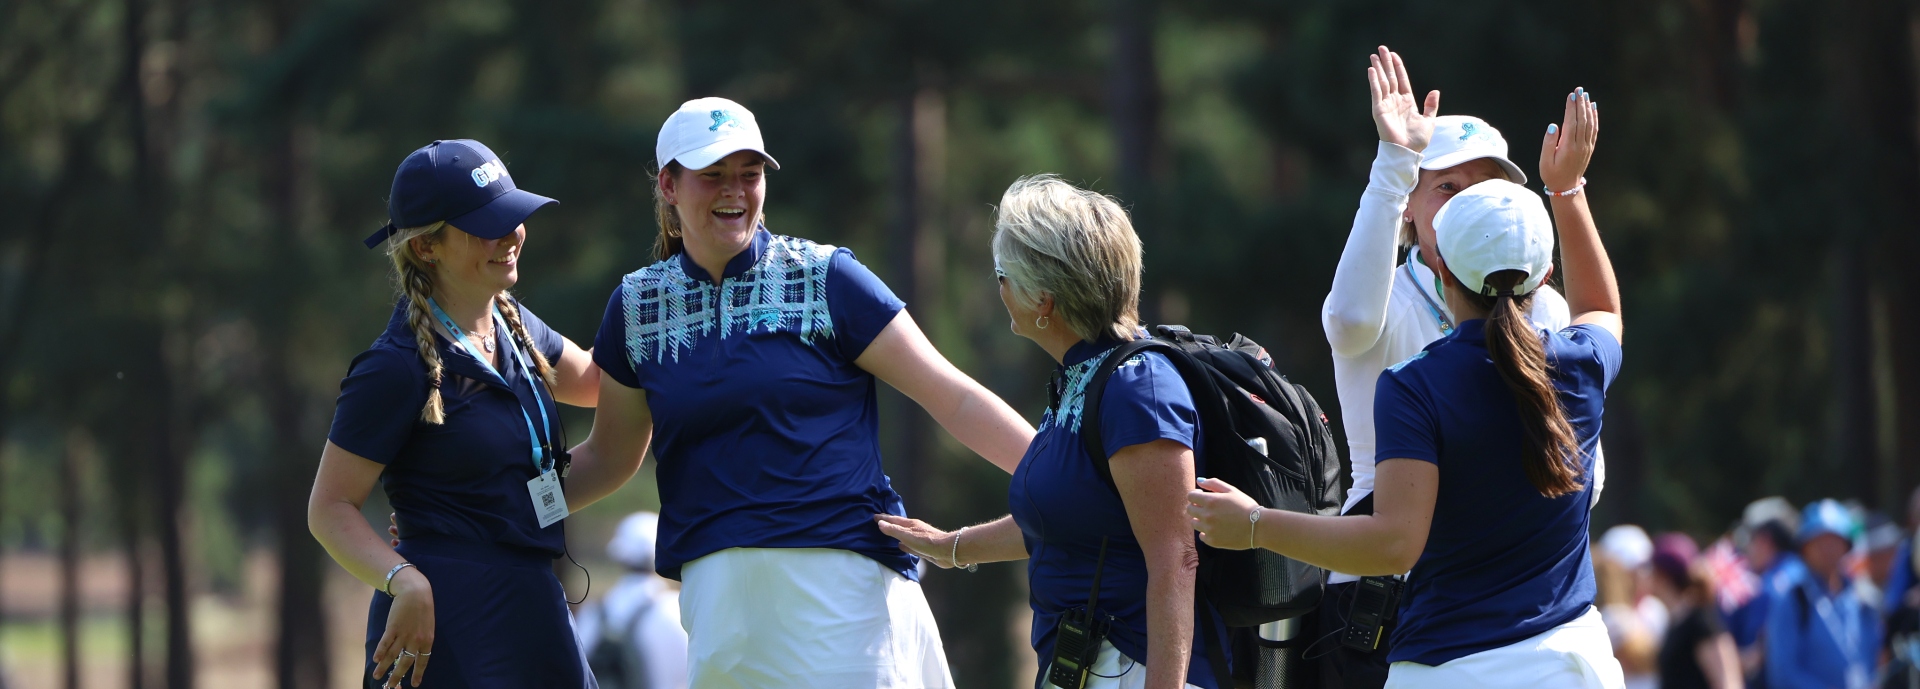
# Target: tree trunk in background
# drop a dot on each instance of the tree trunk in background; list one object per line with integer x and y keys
{"x": 1878, "y": 87}
{"x": 155, "y": 384}
{"x": 300, "y": 653}
{"x": 1134, "y": 93}
{"x": 70, "y": 558}
{"x": 1855, "y": 447}
{"x": 1134, "y": 108}
{"x": 136, "y": 593}
{"x": 912, "y": 426}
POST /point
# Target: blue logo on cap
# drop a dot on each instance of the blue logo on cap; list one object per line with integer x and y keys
{"x": 1468, "y": 128}
{"x": 723, "y": 118}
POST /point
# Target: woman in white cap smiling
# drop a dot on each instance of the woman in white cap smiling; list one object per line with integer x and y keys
{"x": 1382, "y": 309}
{"x": 746, "y": 361}
{"x": 1486, "y": 442}
{"x": 452, "y": 410}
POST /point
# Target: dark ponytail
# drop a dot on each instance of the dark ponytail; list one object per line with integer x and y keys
{"x": 1520, "y": 356}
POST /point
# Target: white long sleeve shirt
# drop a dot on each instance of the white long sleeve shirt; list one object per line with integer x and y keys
{"x": 1380, "y": 312}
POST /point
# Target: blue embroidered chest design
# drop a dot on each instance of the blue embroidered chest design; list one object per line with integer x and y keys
{"x": 1073, "y": 394}
{"x": 667, "y": 312}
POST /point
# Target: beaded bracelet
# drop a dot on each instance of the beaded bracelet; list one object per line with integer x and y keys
{"x": 1575, "y": 190}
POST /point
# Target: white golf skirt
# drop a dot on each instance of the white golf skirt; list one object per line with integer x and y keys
{"x": 1575, "y": 654}
{"x": 806, "y": 617}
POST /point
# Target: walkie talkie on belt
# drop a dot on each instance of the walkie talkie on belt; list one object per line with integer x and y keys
{"x": 1379, "y": 599}
{"x": 1077, "y": 638}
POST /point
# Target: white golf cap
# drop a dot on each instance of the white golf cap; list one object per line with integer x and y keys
{"x": 704, "y": 130}
{"x": 1628, "y": 545}
{"x": 1459, "y": 138}
{"x": 1493, "y": 226}
{"x": 632, "y": 543}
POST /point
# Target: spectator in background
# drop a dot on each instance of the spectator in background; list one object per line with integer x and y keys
{"x": 1697, "y": 652}
{"x": 1883, "y": 541}
{"x": 632, "y": 635}
{"x": 1902, "y": 606}
{"x": 1903, "y": 586}
{"x": 1765, "y": 536}
{"x": 1635, "y": 619}
{"x": 1819, "y": 633}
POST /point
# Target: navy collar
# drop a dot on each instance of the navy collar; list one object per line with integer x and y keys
{"x": 1474, "y": 331}
{"x": 1084, "y": 350}
{"x": 740, "y": 263}
{"x": 455, "y": 360}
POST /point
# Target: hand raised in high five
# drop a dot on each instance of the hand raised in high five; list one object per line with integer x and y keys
{"x": 1569, "y": 146}
{"x": 1396, "y": 115}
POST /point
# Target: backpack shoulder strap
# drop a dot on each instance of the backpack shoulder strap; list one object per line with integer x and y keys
{"x": 1097, "y": 388}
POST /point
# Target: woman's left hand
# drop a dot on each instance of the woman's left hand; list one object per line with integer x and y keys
{"x": 919, "y": 538}
{"x": 1219, "y": 513}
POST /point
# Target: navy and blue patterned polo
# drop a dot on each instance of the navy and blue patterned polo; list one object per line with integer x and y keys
{"x": 766, "y": 433}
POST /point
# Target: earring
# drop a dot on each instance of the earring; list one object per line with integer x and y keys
{"x": 1406, "y": 218}
{"x": 1037, "y": 322}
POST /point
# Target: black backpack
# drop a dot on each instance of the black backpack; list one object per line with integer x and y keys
{"x": 1240, "y": 397}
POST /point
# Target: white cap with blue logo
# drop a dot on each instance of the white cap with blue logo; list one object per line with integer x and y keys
{"x": 1493, "y": 226}
{"x": 704, "y": 130}
{"x": 1460, "y": 138}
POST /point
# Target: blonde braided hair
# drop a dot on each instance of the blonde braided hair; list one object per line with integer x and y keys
{"x": 415, "y": 281}
{"x": 510, "y": 310}
{"x": 414, "y": 278}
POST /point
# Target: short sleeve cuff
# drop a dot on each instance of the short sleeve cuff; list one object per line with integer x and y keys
{"x": 610, "y": 343}
{"x": 862, "y": 305}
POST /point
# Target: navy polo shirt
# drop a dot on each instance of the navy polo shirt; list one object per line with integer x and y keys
{"x": 466, "y": 478}
{"x": 766, "y": 432}
{"x": 1502, "y": 563}
{"x": 1063, "y": 507}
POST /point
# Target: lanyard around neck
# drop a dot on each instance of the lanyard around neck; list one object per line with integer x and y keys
{"x": 460, "y": 339}
{"x": 1446, "y": 327}
{"x": 1844, "y": 630}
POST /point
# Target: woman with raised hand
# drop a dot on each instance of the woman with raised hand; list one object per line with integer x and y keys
{"x": 1486, "y": 442}
{"x": 1383, "y": 309}
{"x": 453, "y": 411}
{"x": 746, "y": 361}
{"x": 1069, "y": 266}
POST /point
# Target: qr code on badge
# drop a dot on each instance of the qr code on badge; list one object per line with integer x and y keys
{"x": 546, "y": 499}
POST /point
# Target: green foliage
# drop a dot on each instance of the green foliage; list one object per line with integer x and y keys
{"x": 181, "y": 275}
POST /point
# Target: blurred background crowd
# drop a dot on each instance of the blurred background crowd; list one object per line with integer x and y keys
{"x": 1824, "y": 596}
{"x": 184, "y": 184}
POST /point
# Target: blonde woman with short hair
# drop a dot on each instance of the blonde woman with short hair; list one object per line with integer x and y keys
{"x": 1068, "y": 263}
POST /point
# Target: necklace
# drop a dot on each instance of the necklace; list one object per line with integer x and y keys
{"x": 486, "y": 341}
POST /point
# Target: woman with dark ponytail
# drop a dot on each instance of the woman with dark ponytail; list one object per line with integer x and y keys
{"x": 453, "y": 410}
{"x": 1485, "y": 451}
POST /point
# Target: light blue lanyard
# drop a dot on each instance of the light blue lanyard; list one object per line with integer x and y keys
{"x": 460, "y": 339}
{"x": 1445, "y": 327}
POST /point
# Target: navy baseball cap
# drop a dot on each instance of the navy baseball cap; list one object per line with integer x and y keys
{"x": 461, "y": 182}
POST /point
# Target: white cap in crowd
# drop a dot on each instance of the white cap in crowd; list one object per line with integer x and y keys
{"x": 1459, "y": 138}
{"x": 1628, "y": 545}
{"x": 704, "y": 130}
{"x": 632, "y": 544}
{"x": 1493, "y": 226}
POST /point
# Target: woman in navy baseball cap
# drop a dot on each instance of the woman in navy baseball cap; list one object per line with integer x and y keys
{"x": 453, "y": 411}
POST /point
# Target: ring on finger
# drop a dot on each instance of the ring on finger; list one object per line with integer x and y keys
{"x": 407, "y": 654}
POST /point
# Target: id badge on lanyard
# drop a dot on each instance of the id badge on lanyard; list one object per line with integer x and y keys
{"x": 549, "y": 499}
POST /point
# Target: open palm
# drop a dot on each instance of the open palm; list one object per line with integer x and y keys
{"x": 1398, "y": 117}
